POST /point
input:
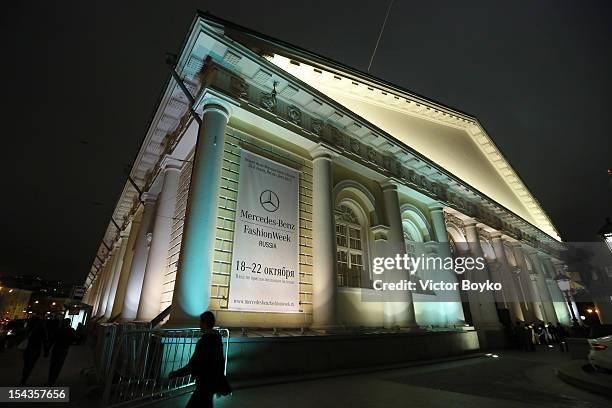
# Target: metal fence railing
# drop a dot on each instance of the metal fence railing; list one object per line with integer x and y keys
{"x": 142, "y": 359}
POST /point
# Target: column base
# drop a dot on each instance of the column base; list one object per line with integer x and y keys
{"x": 329, "y": 328}
{"x": 182, "y": 324}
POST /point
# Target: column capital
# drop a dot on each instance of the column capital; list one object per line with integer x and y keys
{"x": 515, "y": 244}
{"x": 148, "y": 197}
{"x": 543, "y": 255}
{"x": 495, "y": 235}
{"x": 436, "y": 207}
{"x": 470, "y": 223}
{"x": 323, "y": 151}
{"x": 214, "y": 101}
{"x": 390, "y": 184}
{"x": 529, "y": 251}
{"x": 170, "y": 163}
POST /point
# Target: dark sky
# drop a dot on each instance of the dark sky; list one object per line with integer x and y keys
{"x": 80, "y": 81}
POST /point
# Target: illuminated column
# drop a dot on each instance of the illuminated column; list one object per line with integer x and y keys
{"x": 482, "y": 304}
{"x": 93, "y": 298}
{"x": 511, "y": 295}
{"x": 150, "y": 297}
{"x": 324, "y": 279}
{"x": 139, "y": 261}
{"x": 127, "y": 263}
{"x": 117, "y": 272}
{"x": 444, "y": 251}
{"x": 548, "y": 274}
{"x": 103, "y": 277}
{"x": 397, "y": 312}
{"x": 191, "y": 295}
{"x": 532, "y": 311}
{"x": 544, "y": 294}
{"x": 114, "y": 258}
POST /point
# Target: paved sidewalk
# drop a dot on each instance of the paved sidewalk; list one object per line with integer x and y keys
{"x": 82, "y": 391}
{"x": 513, "y": 380}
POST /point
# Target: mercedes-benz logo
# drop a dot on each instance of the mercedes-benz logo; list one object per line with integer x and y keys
{"x": 269, "y": 200}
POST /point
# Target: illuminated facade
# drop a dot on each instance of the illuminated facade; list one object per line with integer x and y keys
{"x": 382, "y": 171}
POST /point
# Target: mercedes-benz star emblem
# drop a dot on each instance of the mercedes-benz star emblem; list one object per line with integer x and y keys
{"x": 269, "y": 200}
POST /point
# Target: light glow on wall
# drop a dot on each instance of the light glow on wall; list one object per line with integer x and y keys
{"x": 449, "y": 146}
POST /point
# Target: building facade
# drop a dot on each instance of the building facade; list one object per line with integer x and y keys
{"x": 378, "y": 172}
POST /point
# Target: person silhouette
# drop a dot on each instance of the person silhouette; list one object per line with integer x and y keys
{"x": 206, "y": 365}
{"x": 36, "y": 341}
{"x": 64, "y": 337}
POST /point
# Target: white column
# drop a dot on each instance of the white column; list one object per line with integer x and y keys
{"x": 444, "y": 251}
{"x": 109, "y": 277}
{"x": 117, "y": 272}
{"x": 191, "y": 295}
{"x": 139, "y": 262}
{"x": 324, "y": 279}
{"x": 100, "y": 288}
{"x": 398, "y": 312}
{"x": 542, "y": 275}
{"x": 511, "y": 294}
{"x": 482, "y": 304}
{"x": 553, "y": 289}
{"x": 127, "y": 263}
{"x": 92, "y": 300}
{"x": 532, "y": 311}
{"x": 157, "y": 262}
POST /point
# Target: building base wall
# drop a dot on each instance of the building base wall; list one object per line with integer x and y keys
{"x": 274, "y": 356}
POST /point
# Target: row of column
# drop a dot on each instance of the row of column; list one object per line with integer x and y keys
{"x": 129, "y": 284}
{"x": 131, "y": 279}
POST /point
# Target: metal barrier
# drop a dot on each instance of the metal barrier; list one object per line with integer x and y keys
{"x": 104, "y": 339}
{"x": 142, "y": 360}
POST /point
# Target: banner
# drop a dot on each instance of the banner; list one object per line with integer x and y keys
{"x": 265, "y": 259}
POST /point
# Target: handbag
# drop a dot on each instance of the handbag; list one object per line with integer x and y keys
{"x": 223, "y": 386}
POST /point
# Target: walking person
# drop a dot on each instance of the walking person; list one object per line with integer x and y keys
{"x": 519, "y": 336}
{"x": 64, "y": 337}
{"x": 36, "y": 339}
{"x": 206, "y": 365}
{"x": 562, "y": 335}
{"x": 529, "y": 338}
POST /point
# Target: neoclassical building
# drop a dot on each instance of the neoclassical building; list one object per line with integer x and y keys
{"x": 371, "y": 169}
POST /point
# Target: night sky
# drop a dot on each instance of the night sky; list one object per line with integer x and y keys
{"x": 81, "y": 79}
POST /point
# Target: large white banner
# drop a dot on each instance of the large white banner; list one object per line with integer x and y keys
{"x": 265, "y": 259}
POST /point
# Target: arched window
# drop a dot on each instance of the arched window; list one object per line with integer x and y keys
{"x": 349, "y": 246}
{"x": 411, "y": 236}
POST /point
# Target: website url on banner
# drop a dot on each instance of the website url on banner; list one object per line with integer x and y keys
{"x": 262, "y": 302}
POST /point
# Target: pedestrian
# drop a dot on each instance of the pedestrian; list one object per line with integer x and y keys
{"x": 519, "y": 335}
{"x": 562, "y": 335}
{"x": 35, "y": 341}
{"x": 64, "y": 337}
{"x": 529, "y": 338}
{"x": 206, "y": 365}
{"x": 80, "y": 333}
{"x": 552, "y": 330}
